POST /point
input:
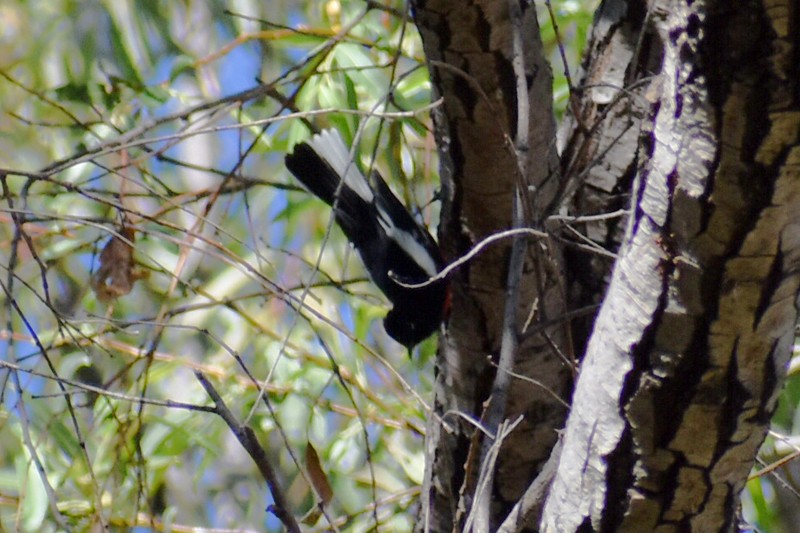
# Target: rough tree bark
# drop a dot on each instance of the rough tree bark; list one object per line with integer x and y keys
{"x": 471, "y": 52}
{"x": 687, "y": 115}
{"x": 689, "y": 350}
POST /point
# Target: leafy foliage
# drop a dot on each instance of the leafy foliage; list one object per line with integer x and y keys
{"x": 151, "y": 232}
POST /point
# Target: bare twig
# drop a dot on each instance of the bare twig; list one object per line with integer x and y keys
{"x": 475, "y": 521}
{"x": 534, "y": 496}
{"x": 563, "y": 54}
{"x": 478, "y": 248}
{"x": 247, "y": 438}
{"x": 495, "y": 411}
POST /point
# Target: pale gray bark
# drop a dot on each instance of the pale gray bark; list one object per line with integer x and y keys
{"x": 688, "y": 116}
{"x": 689, "y": 350}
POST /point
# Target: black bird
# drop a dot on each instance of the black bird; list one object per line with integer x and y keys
{"x": 391, "y": 243}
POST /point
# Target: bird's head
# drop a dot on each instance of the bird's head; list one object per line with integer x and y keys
{"x": 409, "y": 329}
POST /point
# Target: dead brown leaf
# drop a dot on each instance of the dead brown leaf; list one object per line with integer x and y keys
{"x": 320, "y": 482}
{"x": 117, "y": 272}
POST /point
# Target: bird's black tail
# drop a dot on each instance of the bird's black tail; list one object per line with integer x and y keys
{"x": 323, "y": 165}
{"x": 313, "y": 172}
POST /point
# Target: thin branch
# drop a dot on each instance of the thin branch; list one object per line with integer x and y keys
{"x": 483, "y": 491}
{"x": 247, "y": 438}
{"x": 564, "y": 62}
{"x": 22, "y": 410}
{"x": 104, "y": 392}
{"x": 534, "y": 497}
{"x": 509, "y": 347}
{"x": 532, "y": 381}
{"x": 478, "y": 248}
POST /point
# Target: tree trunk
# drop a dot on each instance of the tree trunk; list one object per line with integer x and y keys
{"x": 689, "y": 350}
{"x": 471, "y": 52}
{"x": 688, "y": 114}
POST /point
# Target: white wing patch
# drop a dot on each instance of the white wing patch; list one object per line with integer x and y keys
{"x": 408, "y": 243}
{"x": 329, "y": 145}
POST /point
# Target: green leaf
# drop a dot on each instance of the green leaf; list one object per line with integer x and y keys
{"x": 123, "y": 39}
{"x": 181, "y": 64}
{"x": 73, "y": 92}
{"x": 414, "y": 90}
{"x": 33, "y": 497}
{"x": 362, "y": 70}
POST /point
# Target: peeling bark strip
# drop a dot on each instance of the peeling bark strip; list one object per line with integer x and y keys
{"x": 600, "y": 154}
{"x": 468, "y": 44}
{"x": 689, "y": 350}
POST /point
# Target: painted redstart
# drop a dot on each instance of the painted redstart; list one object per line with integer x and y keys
{"x": 391, "y": 243}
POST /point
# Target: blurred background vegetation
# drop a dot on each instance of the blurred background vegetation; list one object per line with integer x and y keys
{"x": 148, "y": 230}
